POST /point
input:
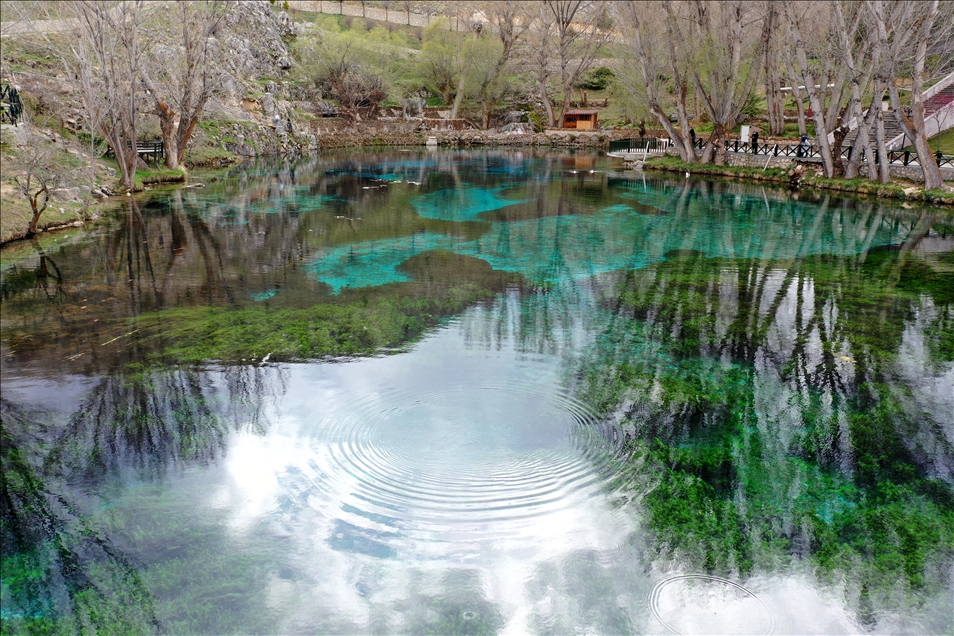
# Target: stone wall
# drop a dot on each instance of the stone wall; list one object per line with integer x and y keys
{"x": 898, "y": 171}
{"x": 249, "y": 139}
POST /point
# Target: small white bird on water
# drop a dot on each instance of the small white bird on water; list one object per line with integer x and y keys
{"x": 687, "y": 174}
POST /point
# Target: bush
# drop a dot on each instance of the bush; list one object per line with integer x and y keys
{"x": 596, "y": 79}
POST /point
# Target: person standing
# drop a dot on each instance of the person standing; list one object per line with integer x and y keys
{"x": 755, "y": 143}
{"x": 692, "y": 135}
{"x": 803, "y": 146}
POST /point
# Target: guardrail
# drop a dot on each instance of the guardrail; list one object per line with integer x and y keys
{"x": 802, "y": 151}
{"x": 643, "y": 144}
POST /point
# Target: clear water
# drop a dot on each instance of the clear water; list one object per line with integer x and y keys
{"x": 480, "y": 392}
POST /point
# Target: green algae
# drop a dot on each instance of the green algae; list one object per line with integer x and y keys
{"x": 359, "y": 323}
{"x": 744, "y": 457}
{"x": 768, "y": 364}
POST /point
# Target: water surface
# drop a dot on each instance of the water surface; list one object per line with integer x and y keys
{"x": 481, "y": 392}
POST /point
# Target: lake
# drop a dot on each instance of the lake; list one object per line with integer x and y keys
{"x": 480, "y": 392}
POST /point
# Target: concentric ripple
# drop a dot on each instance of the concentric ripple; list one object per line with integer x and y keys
{"x": 465, "y": 457}
{"x": 704, "y": 604}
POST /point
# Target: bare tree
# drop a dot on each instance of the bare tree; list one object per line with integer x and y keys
{"x": 913, "y": 123}
{"x": 181, "y": 79}
{"x": 816, "y": 78}
{"x": 491, "y": 63}
{"x": 99, "y": 44}
{"x": 725, "y": 67}
{"x": 576, "y": 25}
{"x": 356, "y": 88}
{"x": 711, "y": 47}
{"x": 659, "y": 59}
{"x": 105, "y": 55}
{"x": 771, "y": 60}
{"x": 39, "y": 170}
{"x": 408, "y": 6}
{"x": 540, "y": 52}
{"x": 854, "y": 50}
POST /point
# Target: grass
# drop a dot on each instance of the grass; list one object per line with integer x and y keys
{"x": 780, "y": 175}
{"x": 17, "y": 215}
{"x": 154, "y": 175}
{"x": 943, "y": 142}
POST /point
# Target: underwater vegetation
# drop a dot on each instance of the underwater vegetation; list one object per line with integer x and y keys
{"x": 775, "y": 376}
{"x": 66, "y": 567}
{"x": 787, "y": 412}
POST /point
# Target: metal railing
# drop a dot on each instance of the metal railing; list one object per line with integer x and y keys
{"x": 644, "y": 144}
{"x": 803, "y": 151}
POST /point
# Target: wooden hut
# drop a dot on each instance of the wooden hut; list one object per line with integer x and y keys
{"x": 581, "y": 119}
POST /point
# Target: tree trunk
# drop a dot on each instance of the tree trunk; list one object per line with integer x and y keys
{"x": 682, "y": 144}
{"x": 915, "y": 125}
{"x": 184, "y": 134}
{"x": 861, "y": 149}
{"x": 717, "y": 141}
{"x": 775, "y": 104}
{"x": 932, "y": 173}
{"x": 884, "y": 170}
{"x": 545, "y": 98}
{"x": 821, "y": 129}
{"x": 167, "y": 124}
{"x": 838, "y": 165}
{"x": 459, "y": 97}
{"x": 37, "y": 209}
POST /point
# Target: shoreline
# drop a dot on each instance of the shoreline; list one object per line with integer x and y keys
{"x": 781, "y": 176}
{"x": 774, "y": 176}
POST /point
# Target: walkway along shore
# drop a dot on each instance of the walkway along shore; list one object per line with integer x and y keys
{"x": 809, "y": 177}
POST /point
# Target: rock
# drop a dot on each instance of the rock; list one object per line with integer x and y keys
{"x": 517, "y": 128}
{"x": 251, "y": 39}
{"x": 268, "y": 104}
{"x": 414, "y": 106}
{"x": 287, "y": 26}
{"x": 67, "y": 194}
{"x": 271, "y": 88}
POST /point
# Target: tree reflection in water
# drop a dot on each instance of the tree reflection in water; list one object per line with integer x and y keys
{"x": 789, "y": 409}
{"x": 61, "y": 568}
{"x": 778, "y": 382}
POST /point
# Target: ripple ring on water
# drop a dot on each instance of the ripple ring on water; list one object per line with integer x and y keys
{"x": 428, "y": 456}
{"x": 657, "y": 613}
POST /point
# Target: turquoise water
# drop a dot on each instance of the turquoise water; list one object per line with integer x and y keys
{"x": 480, "y": 392}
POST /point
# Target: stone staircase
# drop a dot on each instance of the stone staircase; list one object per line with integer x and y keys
{"x": 937, "y": 100}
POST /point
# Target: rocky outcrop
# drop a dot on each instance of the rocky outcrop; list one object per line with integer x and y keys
{"x": 253, "y": 40}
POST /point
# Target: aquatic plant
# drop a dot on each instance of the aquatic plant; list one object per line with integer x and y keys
{"x": 764, "y": 417}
